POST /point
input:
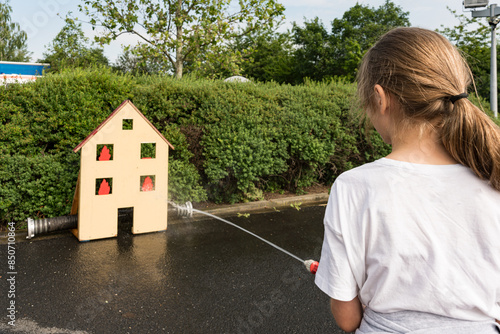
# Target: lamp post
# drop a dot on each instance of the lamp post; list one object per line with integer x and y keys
{"x": 492, "y": 12}
{"x": 493, "y": 21}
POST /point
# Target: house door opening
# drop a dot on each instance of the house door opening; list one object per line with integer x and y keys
{"x": 125, "y": 220}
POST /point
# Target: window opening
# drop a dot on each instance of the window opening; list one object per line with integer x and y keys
{"x": 148, "y": 150}
{"x": 104, "y": 152}
{"x": 128, "y": 124}
{"x": 148, "y": 183}
{"x": 104, "y": 186}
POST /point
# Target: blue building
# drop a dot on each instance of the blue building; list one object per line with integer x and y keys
{"x": 11, "y": 71}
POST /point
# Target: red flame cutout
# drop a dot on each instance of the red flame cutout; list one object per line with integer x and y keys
{"x": 147, "y": 185}
{"x": 105, "y": 156}
{"x": 104, "y": 188}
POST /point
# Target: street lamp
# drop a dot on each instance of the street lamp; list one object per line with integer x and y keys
{"x": 475, "y": 3}
{"x": 492, "y": 13}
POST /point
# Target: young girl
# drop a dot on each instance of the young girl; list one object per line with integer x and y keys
{"x": 415, "y": 236}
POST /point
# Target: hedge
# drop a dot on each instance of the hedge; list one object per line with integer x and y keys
{"x": 233, "y": 141}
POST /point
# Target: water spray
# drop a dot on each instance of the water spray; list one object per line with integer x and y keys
{"x": 45, "y": 225}
{"x": 187, "y": 210}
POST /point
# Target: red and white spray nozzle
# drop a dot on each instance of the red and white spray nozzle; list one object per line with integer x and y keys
{"x": 312, "y": 266}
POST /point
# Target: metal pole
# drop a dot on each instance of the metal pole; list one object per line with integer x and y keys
{"x": 493, "y": 65}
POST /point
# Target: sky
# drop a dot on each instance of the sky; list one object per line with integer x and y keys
{"x": 43, "y": 19}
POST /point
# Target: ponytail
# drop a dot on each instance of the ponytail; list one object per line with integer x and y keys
{"x": 428, "y": 76}
{"x": 473, "y": 139}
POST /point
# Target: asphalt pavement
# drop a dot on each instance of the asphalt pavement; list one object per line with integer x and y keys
{"x": 199, "y": 276}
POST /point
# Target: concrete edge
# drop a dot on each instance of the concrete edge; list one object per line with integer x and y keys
{"x": 222, "y": 211}
{"x": 270, "y": 205}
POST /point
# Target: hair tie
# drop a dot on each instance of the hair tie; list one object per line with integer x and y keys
{"x": 455, "y": 98}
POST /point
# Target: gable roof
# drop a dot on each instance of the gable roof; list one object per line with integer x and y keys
{"x": 116, "y": 111}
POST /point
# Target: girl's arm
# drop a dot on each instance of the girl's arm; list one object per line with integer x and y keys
{"x": 348, "y": 315}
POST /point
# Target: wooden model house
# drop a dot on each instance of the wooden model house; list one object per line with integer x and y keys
{"x": 124, "y": 164}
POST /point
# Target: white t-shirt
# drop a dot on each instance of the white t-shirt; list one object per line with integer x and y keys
{"x": 413, "y": 237}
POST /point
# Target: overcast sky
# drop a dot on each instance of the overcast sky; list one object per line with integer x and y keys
{"x": 43, "y": 19}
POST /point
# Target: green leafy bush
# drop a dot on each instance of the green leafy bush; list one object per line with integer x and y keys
{"x": 184, "y": 182}
{"x": 36, "y": 186}
{"x": 232, "y": 141}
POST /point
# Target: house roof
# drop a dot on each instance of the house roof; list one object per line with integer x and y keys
{"x": 116, "y": 111}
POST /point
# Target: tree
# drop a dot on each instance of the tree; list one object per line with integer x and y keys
{"x": 472, "y": 37}
{"x": 13, "y": 45}
{"x": 70, "y": 48}
{"x": 313, "y": 56}
{"x": 181, "y": 30}
{"x": 216, "y": 62}
{"x": 359, "y": 28}
{"x": 270, "y": 58}
{"x": 131, "y": 61}
{"x": 320, "y": 55}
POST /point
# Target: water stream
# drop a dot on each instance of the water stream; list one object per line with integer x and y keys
{"x": 253, "y": 234}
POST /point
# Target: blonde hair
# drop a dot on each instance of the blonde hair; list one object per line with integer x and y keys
{"x": 422, "y": 70}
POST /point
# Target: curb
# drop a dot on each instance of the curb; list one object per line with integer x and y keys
{"x": 222, "y": 211}
{"x": 260, "y": 206}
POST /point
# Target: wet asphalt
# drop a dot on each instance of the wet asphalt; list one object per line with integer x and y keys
{"x": 200, "y": 276}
